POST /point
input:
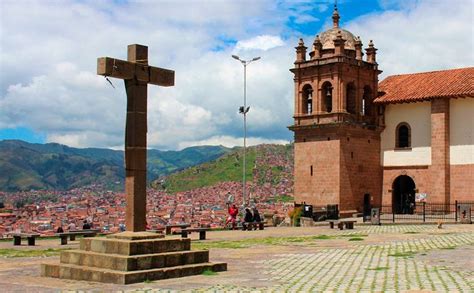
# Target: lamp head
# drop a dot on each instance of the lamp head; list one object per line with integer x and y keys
{"x": 236, "y": 57}
{"x": 256, "y": 58}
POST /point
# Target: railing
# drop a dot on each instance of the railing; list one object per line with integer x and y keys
{"x": 427, "y": 213}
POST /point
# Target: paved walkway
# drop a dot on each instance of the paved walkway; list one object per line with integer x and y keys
{"x": 397, "y": 258}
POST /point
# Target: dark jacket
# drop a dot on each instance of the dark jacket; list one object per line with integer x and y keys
{"x": 248, "y": 216}
{"x": 256, "y": 216}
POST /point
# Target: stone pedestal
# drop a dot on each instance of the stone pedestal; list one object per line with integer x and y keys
{"x": 129, "y": 257}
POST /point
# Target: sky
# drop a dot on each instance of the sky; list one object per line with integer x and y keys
{"x": 50, "y": 92}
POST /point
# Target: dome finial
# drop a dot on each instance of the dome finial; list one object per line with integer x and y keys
{"x": 335, "y": 16}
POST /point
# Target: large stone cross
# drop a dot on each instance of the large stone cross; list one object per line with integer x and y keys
{"x": 137, "y": 74}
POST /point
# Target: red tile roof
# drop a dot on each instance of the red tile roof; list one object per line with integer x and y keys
{"x": 407, "y": 88}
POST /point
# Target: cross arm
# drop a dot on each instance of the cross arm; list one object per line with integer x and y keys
{"x": 117, "y": 68}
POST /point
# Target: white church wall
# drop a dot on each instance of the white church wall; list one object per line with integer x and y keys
{"x": 418, "y": 116}
{"x": 461, "y": 131}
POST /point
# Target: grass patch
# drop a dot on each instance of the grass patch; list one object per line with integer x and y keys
{"x": 10, "y": 252}
{"x": 356, "y": 239}
{"x": 378, "y": 269}
{"x": 403, "y": 254}
{"x": 208, "y": 272}
{"x": 147, "y": 281}
{"x": 411, "y": 232}
{"x": 322, "y": 237}
{"x": 449, "y": 247}
{"x": 225, "y": 168}
{"x": 245, "y": 243}
{"x": 283, "y": 198}
{"x": 354, "y": 235}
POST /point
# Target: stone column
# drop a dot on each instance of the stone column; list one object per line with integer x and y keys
{"x": 135, "y": 145}
{"x": 440, "y": 168}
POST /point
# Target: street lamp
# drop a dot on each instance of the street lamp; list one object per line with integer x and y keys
{"x": 244, "y": 110}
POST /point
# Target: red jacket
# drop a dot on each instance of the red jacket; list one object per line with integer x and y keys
{"x": 233, "y": 212}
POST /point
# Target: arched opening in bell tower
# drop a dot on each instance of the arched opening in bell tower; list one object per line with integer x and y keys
{"x": 326, "y": 92}
{"x": 366, "y": 101}
{"x": 307, "y": 99}
{"x": 351, "y": 98}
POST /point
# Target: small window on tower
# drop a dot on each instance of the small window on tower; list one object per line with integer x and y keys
{"x": 311, "y": 170}
{"x": 403, "y": 135}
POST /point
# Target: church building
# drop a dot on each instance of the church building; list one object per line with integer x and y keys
{"x": 362, "y": 143}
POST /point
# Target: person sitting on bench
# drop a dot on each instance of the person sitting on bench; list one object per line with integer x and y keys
{"x": 248, "y": 220}
{"x": 256, "y": 218}
{"x": 86, "y": 225}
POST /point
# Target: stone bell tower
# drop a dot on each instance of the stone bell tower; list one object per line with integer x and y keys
{"x": 336, "y": 125}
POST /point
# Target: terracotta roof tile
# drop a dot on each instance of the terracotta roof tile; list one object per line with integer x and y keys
{"x": 423, "y": 86}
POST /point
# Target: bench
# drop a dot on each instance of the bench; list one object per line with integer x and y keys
{"x": 157, "y": 230}
{"x": 30, "y": 236}
{"x": 72, "y": 234}
{"x": 341, "y": 223}
{"x": 248, "y": 225}
{"x": 332, "y": 222}
{"x": 169, "y": 227}
{"x": 202, "y": 232}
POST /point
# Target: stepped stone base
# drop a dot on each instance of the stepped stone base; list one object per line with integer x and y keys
{"x": 127, "y": 257}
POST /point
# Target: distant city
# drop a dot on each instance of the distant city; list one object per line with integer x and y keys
{"x": 44, "y": 211}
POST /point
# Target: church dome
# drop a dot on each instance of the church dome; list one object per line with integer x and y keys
{"x": 327, "y": 38}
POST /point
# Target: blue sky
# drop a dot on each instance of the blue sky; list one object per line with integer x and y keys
{"x": 50, "y": 92}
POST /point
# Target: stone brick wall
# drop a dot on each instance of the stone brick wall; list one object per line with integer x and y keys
{"x": 462, "y": 183}
{"x": 323, "y": 186}
{"x": 346, "y": 165}
{"x": 361, "y": 172}
{"x": 440, "y": 179}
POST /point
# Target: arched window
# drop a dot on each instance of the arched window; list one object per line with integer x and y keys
{"x": 326, "y": 92}
{"x": 307, "y": 99}
{"x": 366, "y": 101}
{"x": 351, "y": 98}
{"x": 403, "y": 135}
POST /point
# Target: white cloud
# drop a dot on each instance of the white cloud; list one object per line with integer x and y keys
{"x": 230, "y": 141}
{"x": 420, "y": 35}
{"x": 263, "y": 42}
{"x": 49, "y": 51}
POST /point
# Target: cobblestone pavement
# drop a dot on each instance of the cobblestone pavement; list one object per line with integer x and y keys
{"x": 399, "y": 258}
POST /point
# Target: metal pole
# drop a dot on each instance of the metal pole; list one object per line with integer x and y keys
{"x": 245, "y": 129}
{"x": 456, "y": 211}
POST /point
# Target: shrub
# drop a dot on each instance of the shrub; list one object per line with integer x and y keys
{"x": 295, "y": 215}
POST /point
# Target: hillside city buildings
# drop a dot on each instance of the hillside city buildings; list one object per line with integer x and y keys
{"x": 204, "y": 206}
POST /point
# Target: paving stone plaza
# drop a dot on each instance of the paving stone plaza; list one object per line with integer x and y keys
{"x": 398, "y": 258}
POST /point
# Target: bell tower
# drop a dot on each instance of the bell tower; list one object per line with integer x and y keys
{"x": 336, "y": 125}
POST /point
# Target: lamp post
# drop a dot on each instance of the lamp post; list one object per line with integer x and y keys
{"x": 244, "y": 110}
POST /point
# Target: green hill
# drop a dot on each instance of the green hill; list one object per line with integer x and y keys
{"x": 265, "y": 164}
{"x": 25, "y": 166}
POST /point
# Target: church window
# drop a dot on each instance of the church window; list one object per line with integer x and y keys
{"x": 307, "y": 99}
{"x": 311, "y": 170}
{"x": 403, "y": 135}
{"x": 327, "y": 96}
{"x": 351, "y": 98}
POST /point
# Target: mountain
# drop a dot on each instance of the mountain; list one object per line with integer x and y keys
{"x": 270, "y": 165}
{"x": 25, "y": 166}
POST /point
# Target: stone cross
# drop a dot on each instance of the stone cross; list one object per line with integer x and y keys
{"x": 137, "y": 74}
